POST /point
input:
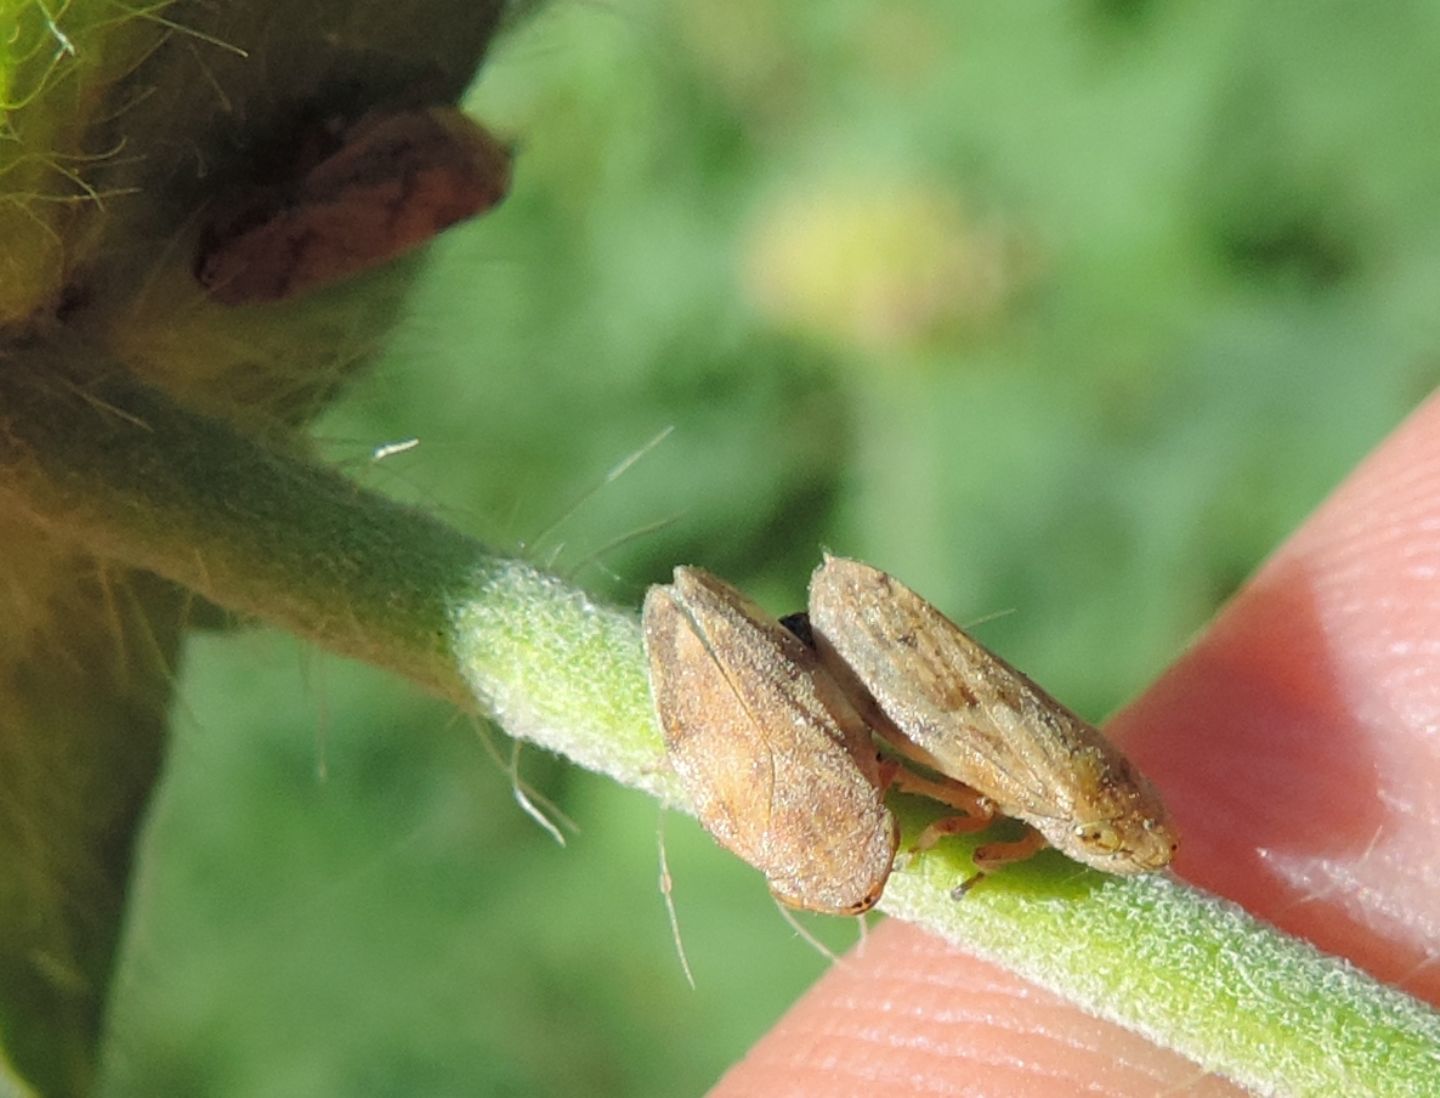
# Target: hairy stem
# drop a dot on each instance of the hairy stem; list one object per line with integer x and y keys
{"x": 120, "y": 469}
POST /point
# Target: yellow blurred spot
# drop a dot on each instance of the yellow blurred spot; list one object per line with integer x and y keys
{"x": 883, "y": 268}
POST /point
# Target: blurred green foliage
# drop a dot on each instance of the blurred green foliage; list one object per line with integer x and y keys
{"x": 1067, "y": 310}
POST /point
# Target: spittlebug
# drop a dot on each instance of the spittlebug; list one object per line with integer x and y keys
{"x": 777, "y": 763}
{"x": 946, "y": 701}
{"x": 377, "y": 189}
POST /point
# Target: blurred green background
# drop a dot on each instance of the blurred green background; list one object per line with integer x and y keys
{"x": 1067, "y": 310}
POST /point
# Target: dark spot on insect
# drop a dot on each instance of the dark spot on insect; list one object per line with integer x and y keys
{"x": 799, "y": 624}
{"x": 1008, "y": 693}
{"x": 959, "y": 694}
{"x": 907, "y": 639}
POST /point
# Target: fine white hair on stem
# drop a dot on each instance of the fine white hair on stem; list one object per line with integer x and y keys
{"x": 616, "y": 471}
{"x": 1416, "y": 970}
{"x": 532, "y": 802}
{"x": 799, "y": 928}
{"x": 390, "y": 449}
{"x": 863, "y": 935}
{"x": 1342, "y": 880}
{"x": 986, "y": 619}
{"x": 595, "y": 557}
{"x": 667, "y": 890}
{"x": 312, "y": 685}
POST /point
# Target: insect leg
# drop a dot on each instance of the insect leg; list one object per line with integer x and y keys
{"x": 947, "y": 791}
{"x": 948, "y": 825}
{"x": 974, "y": 812}
{"x": 992, "y": 856}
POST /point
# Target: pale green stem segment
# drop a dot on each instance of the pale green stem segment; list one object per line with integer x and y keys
{"x": 1191, "y": 971}
{"x": 266, "y": 533}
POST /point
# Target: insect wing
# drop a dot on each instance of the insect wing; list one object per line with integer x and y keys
{"x": 966, "y": 709}
{"x": 970, "y": 715}
{"x": 777, "y": 764}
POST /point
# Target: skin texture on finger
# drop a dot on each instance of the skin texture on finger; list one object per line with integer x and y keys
{"x": 908, "y": 1015}
{"x": 1298, "y": 748}
{"x": 1298, "y": 743}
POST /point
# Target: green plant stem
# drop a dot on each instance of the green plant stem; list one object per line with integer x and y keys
{"x": 120, "y": 469}
{"x": 1189, "y": 970}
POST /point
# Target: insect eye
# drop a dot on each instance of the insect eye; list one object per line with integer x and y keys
{"x": 1099, "y": 837}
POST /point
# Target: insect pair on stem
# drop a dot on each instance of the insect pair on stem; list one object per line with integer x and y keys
{"x": 772, "y": 731}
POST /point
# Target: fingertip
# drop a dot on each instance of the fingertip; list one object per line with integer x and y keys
{"x": 907, "y": 1008}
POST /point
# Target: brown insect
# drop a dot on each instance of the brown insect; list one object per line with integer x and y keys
{"x": 385, "y": 186}
{"x": 777, "y": 763}
{"x": 944, "y": 700}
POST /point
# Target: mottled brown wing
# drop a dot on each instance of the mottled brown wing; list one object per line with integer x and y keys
{"x": 981, "y": 721}
{"x": 779, "y": 768}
